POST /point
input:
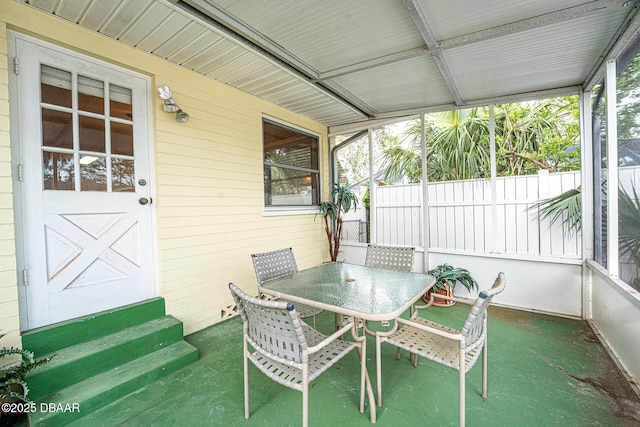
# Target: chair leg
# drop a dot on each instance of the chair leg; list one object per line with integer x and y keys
{"x": 245, "y": 356}
{"x": 462, "y": 388}
{"x": 379, "y": 371}
{"x": 305, "y": 395}
{"x": 484, "y": 370}
{"x": 363, "y": 373}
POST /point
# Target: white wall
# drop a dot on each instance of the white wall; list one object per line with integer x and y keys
{"x": 541, "y": 286}
{"x": 615, "y": 309}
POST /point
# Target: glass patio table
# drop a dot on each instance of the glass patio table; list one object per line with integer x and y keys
{"x": 366, "y": 293}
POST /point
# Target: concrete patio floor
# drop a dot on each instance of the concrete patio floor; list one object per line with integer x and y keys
{"x": 543, "y": 371}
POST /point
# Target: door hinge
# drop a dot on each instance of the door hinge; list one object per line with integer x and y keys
{"x": 16, "y": 65}
{"x": 25, "y": 277}
{"x": 20, "y": 172}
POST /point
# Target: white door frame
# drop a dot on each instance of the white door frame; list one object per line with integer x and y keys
{"x": 18, "y": 202}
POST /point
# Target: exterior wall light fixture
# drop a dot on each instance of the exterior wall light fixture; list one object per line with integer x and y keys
{"x": 170, "y": 105}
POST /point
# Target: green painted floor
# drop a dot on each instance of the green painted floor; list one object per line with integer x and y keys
{"x": 543, "y": 371}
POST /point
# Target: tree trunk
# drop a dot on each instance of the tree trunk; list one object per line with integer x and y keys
{"x": 329, "y": 236}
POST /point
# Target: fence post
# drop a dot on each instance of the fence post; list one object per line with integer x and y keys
{"x": 544, "y": 226}
{"x": 493, "y": 244}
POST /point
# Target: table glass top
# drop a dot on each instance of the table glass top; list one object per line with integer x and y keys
{"x": 375, "y": 292}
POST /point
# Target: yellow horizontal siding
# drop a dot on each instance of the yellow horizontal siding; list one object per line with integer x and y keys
{"x": 9, "y": 316}
{"x": 208, "y": 178}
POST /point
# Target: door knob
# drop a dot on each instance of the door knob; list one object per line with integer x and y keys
{"x": 143, "y": 200}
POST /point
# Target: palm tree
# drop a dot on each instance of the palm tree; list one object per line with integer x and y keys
{"x": 629, "y": 226}
{"x": 342, "y": 200}
{"x": 537, "y": 135}
{"x": 457, "y": 148}
{"x": 529, "y": 136}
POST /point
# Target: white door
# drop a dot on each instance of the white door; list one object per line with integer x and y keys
{"x": 83, "y": 186}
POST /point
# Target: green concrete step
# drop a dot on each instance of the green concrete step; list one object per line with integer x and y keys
{"x": 52, "y": 338}
{"x": 78, "y": 362}
{"x": 100, "y": 390}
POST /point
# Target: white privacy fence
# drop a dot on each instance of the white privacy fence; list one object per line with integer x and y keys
{"x": 464, "y": 216}
{"x": 461, "y": 216}
{"x": 399, "y": 215}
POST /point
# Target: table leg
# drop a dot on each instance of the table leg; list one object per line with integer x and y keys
{"x": 363, "y": 339}
{"x": 338, "y": 321}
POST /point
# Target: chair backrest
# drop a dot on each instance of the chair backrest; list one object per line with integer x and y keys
{"x": 273, "y": 328}
{"x": 474, "y": 328}
{"x": 390, "y": 257}
{"x": 273, "y": 265}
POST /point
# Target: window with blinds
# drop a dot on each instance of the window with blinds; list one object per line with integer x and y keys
{"x": 291, "y": 166}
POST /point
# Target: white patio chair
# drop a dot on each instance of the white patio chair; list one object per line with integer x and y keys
{"x": 276, "y": 264}
{"x": 398, "y": 258}
{"x": 390, "y": 257}
{"x": 288, "y": 350}
{"x": 449, "y": 347}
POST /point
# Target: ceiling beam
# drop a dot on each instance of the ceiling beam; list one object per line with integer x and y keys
{"x": 402, "y": 115}
{"x": 234, "y": 29}
{"x": 221, "y": 16}
{"x": 511, "y": 28}
{"x": 376, "y": 62}
{"x": 626, "y": 32}
{"x": 429, "y": 39}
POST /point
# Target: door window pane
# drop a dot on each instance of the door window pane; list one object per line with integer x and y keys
{"x": 57, "y": 129}
{"x": 91, "y": 133}
{"x": 93, "y": 173}
{"x": 90, "y": 95}
{"x": 75, "y": 139}
{"x": 120, "y": 102}
{"x": 122, "y": 175}
{"x": 121, "y": 139}
{"x": 55, "y": 86}
{"x": 58, "y": 171}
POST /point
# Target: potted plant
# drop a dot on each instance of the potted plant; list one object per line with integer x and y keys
{"x": 342, "y": 200}
{"x": 14, "y": 365}
{"x": 446, "y": 279}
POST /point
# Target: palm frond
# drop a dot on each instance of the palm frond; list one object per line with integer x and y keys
{"x": 629, "y": 224}
{"x": 569, "y": 202}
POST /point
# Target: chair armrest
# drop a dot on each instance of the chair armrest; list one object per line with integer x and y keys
{"x": 422, "y": 327}
{"x": 340, "y": 332}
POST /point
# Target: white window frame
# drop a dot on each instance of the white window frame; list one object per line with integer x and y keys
{"x": 294, "y": 210}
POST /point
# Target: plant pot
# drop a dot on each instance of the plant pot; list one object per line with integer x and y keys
{"x": 439, "y": 302}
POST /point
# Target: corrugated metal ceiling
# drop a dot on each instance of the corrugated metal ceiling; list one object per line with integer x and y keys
{"x": 340, "y": 62}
